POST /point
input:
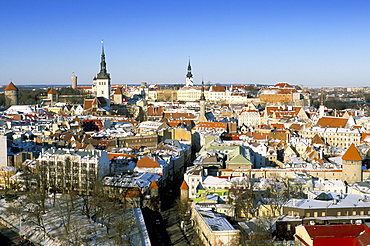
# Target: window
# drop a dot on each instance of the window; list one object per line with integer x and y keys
{"x": 308, "y": 215}
{"x": 315, "y": 214}
{"x": 323, "y": 214}
{"x": 354, "y": 212}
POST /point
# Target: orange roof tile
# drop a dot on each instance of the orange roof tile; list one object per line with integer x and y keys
{"x": 88, "y": 103}
{"x": 184, "y": 186}
{"x": 11, "y": 87}
{"x": 352, "y": 154}
{"x": 317, "y": 140}
{"x": 146, "y": 162}
{"x": 154, "y": 185}
{"x": 284, "y": 85}
{"x": 118, "y": 91}
{"x": 52, "y": 91}
{"x": 332, "y": 122}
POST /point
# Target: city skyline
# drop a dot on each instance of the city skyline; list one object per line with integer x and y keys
{"x": 311, "y": 43}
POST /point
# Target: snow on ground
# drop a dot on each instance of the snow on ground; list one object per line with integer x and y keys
{"x": 64, "y": 223}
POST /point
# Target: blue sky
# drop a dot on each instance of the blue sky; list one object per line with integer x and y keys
{"x": 314, "y": 43}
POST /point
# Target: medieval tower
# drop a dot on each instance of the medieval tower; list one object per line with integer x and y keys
{"x": 352, "y": 165}
{"x": 11, "y": 95}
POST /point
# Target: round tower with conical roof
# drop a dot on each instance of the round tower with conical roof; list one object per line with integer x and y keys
{"x": 352, "y": 165}
{"x": 11, "y": 95}
{"x": 184, "y": 191}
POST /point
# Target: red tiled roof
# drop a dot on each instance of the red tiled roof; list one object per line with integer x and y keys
{"x": 11, "y": 87}
{"x": 88, "y": 103}
{"x": 184, "y": 186}
{"x": 217, "y": 88}
{"x": 260, "y": 135}
{"x": 317, "y": 140}
{"x": 147, "y": 162}
{"x": 52, "y": 91}
{"x": 115, "y": 155}
{"x": 342, "y": 232}
{"x": 153, "y": 185}
{"x": 352, "y": 154}
{"x": 332, "y": 122}
{"x": 284, "y": 85}
{"x": 118, "y": 91}
{"x": 278, "y": 126}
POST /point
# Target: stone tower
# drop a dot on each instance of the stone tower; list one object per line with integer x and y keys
{"x": 74, "y": 82}
{"x": 189, "y": 76}
{"x": 53, "y": 96}
{"x": 202, "y": 102}
{"x": 154, "y": 192}
{"x": 11, "y": 95}
{"x": 101, "y": 83}
{"x": 184, "y": 191}
{"x": 352, "y": 165}
{"x": 118, "y": 96}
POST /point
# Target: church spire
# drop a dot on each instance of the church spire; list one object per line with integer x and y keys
{"x": 189, "y": 76}
{"x": 103, "y": 65}
{"x": 189, "y": 69}
{"x": 202, "y": 97}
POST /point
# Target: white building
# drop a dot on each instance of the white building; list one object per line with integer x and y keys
{"x": 67, "y": 169}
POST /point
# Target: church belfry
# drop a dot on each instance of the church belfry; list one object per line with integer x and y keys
{"x": 101, "y": 83}
{"x": 189, "y": 76}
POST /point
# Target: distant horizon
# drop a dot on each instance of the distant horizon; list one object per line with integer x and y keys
{"x": 313, "y": 43}
{"x": 138, "y": 84}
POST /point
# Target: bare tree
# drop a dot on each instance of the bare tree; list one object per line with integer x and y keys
{"x": 183, "y": 209}
{"x": 125, "y": 227}
{"x": 241, "y": 195}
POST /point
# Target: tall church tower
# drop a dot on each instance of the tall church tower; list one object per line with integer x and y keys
{"x": 101, "y": 83}
{"x": 352, "y": 165}
{"x": 189, "y": 76}
{"x": 202, "y": 102}
{"x": 11, "y": 95}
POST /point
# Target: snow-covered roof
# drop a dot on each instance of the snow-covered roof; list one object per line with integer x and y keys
{"x": 338, "y": 200}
